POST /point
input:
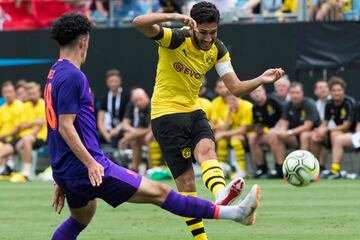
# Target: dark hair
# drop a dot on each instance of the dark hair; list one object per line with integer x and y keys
{"x": 6, "y": 84}
{"x": 66, "y": 29}
{"x": 337, "y": 81}
{"x": 296, "y": 84}
{"x": 205, "y": 12}
{"x": 113, "y": 72}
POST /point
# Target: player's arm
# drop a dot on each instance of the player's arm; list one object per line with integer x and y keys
{"x": 282, "y": 124}
{"x": 148, "y": 24}
{"x": 72, "y": 139}
{"x": 345, "y": 126}
{"x": 307, "y": 126}
{"x": 126, "y": 125}
{"x": 242, "y": 88}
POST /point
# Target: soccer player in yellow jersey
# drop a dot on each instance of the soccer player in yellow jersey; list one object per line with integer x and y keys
{"x": 238, "y": 118}
{"x": 32, "y": 131}
{"x": 10, "y": 114}
{"x": 178, "y": 123}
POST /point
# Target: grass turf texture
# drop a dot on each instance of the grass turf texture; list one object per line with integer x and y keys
{"x": 328, "y": 210}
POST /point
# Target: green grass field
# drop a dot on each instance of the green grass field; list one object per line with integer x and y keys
{"x": 329, "y": 210}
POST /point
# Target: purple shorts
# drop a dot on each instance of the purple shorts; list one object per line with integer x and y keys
{"x": 119, "y": 184}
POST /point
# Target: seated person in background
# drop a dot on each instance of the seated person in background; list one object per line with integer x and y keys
{"x": 350, "y": 140}
{"x": 238, "y": 118}
{"x": 32, "y": 132}
{"x": 136, "y": 125}
{"x": 299, "y": 118}
{"x": 21, "y": 93}
{"x": 267, "y": 111}
{"x": 282, "y": 89}
{"x": 206, "y": 106}
{"x": 112, "y": 109}
{"x": 10, "y": 119}
{"x": 205, "y": 92}
{"x": 339, "y": 114}
{"x": 218, "y": 105}
{"x": 171, "y": 6}
{"x": 322, "y": 92}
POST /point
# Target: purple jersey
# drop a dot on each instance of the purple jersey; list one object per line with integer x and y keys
{"x": 67, "y": 91}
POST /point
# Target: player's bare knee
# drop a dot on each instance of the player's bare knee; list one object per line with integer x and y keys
{"x": 185, "y": 183}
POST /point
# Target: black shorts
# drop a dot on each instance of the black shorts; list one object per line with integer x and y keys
{"x": 177, "y": 135}
{"x": 37, "y": 144}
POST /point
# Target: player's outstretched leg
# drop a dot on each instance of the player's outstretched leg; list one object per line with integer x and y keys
{"x": 189, "y": 206}
{"x": 79, "y": 219}
{"x": 213, "y": 175}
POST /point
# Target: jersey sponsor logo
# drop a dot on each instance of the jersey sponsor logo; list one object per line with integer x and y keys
{"x": 186, "y": 153}
{"x": 51, "y": 74}
{"x": 179, "y": 67}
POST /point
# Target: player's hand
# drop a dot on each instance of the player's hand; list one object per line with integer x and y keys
{"x": 58, "y": 199}
{"x": 272, "y": 75}
{"x": 96, "y": 172}
{"x": 188, "y": 21}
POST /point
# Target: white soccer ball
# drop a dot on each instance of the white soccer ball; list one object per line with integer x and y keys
{"x": 300, "y": 168}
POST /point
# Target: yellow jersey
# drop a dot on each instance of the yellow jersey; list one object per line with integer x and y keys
{"x": 243, "y": 117}
{"x": 180, "y": 71}
{"x": 31, "y": 114}
{"x": 205, "y": 106}
{"x": 218, "y": 111}
{"x": 10, "y": 117}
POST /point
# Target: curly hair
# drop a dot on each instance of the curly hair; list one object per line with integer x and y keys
{"x": 205, "y": 12}
{"x": 66, "y": 29}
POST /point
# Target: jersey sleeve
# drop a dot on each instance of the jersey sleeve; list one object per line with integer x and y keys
{"x": 171, "y": 38}
{"x": 311, "y": 112}
{"x": 349, "y": 108}
{"x": 69, "y": 94}
{"x": 223, "y": 54}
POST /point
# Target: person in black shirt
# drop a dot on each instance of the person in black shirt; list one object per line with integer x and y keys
{"x": 339, "y": 113}
{"x": 350, "y": 140}
{"x": 137, "y": 129}
{"x": 112, "y": 109}
{"x": 267, "y": 111}
{"x": 299, "y": 117}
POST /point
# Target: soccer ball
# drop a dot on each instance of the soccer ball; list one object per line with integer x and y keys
{"x": 300, "y": 168}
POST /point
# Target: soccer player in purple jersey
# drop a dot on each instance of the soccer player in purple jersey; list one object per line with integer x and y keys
{"x": 81, "y": 171}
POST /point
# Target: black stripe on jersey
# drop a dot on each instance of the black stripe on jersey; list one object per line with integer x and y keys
{"x": 222, "y": 50}
{"x": 178, "y": 37}
{"x": 160, "y": 34}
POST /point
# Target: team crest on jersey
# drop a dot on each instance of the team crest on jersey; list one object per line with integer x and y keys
{"x": 343, "y": 112}
{"x": 209, "y": 57}
{"x": 186, "y": 153}
{"x": 270, "y": 109}
{"x": 302, "y": 114}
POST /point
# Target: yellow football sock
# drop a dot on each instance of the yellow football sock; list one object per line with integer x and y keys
{"x": 195, "y": 225}
{"x": 213, "y": 175}
{"x": 155, "y": 154}
{"x": 222, "y": 150}
{"x": 335, "y": 168}
{"x": 239, "y": 153}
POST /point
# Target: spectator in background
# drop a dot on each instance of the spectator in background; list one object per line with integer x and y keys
{"x": 350, "y": 140}
{"x": 21, "y": 93}
{"x": 112, "y": 109}
{"x": 218, "y": 105}
{"x": 299, "y": 117}
{"x": 171, "y": 6}
{"x": 10, "y": 119}
{"x": 282, "y": 89}
{"x": 238, "y": 119}
{"x": 205, "y": 92}
{"x": 321, "y": 91}
{"x": 339, "y": 114}
{"x": 127, "y": 10}
{"x": 136, "y": 125}
{"x": 32, "y": 132}
{"x": 267, "y": 111}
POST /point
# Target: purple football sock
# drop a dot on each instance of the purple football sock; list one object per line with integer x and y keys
{"x": 69, "y": 230}
{"x": 189, "y": 206}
